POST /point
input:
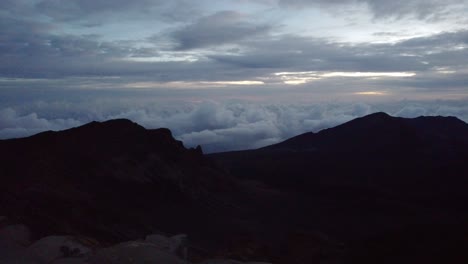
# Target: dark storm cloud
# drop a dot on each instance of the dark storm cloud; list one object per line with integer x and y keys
{"x": 421, "y": 9}
{"x": 226, "y": 27}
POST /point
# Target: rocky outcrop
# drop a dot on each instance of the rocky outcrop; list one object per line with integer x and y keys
{"x": 52, "y": 248}
{"x": 15, "y": 247}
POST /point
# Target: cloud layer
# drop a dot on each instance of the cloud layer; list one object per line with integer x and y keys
{"x": 216, "y": 126}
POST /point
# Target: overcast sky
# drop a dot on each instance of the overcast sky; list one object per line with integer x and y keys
{"x": 229, "y": 74}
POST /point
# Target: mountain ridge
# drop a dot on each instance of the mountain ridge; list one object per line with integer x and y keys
{"x": 370, "y": 178}
{"x": 118, "y": 164}
{"x": 379, "y": 120}
{"x": 340, "y": 191}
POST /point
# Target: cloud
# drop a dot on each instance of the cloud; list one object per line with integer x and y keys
{"x": 215, "y": 125}
{"x": 219, "y": 46}
{"x": 225, "y": 27}
{"x": 421, "y": 9}
{"x": 310, "y": 54}
{"x": 103, "y": 10}
{"x": 13, "y": 125}
{"x": 29, "y": 50}
{"x": 383, "y": 9}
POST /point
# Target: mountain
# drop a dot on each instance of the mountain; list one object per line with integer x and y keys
{"x": 381, "y": 132}
{"x": 377, "y": 150}
{"x": 378, "y": 189}
{"x": 113, "y": 181}
{"x": 373, "y": 177}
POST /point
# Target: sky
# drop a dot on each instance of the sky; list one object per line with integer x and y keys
{"x": 229, "y": 74}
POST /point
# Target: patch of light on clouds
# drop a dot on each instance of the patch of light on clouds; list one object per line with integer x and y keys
{"x": 368, "y": 74}
{"x": 356, "y": 24}
{"x": 295, "y": 78}
{"x": 445, "y": 70}
{"x": 371, "y": 93}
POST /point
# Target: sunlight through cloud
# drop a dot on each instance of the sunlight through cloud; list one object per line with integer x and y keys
{"x": 295, "y": 78}
{"x": 371, "y": 93}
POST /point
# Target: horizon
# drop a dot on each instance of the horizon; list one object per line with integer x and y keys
{"x": 219, "y": 148}
{"x": 233, "y": 74}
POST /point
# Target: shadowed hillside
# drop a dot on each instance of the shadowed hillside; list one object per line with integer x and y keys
{"x": 387, "y": 186}
{"x": 378, "y": 189}
{"x": 113, "y": 181}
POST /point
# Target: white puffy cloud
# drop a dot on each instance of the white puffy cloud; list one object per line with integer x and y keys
{"x": 14, "y": 125}
{"x": 215, "y": 125}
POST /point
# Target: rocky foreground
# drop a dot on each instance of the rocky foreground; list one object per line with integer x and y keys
{"x": 16, "y": 246}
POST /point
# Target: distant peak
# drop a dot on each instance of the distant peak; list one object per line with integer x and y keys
{"x": 112, "y": 125}
{"x": 113, "y": 122}
{"x": 163, "y": 130}
{"x": 378, "y": 115}
{"x": 119, "y": 121}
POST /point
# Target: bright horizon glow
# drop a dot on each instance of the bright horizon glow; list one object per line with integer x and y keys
{"x": 372, "y": 93}
{"x": 296, "y": 78}
{"x": 369, "y": 74}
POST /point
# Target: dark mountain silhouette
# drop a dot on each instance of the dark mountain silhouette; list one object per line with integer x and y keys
{"x": 375, "y": 151}
{"x": 394, "y": 188}
{"x": 114, "y": 181}
{"x": 378, "y": 189}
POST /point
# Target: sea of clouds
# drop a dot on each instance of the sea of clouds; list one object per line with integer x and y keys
{"x": 215, "y": 125}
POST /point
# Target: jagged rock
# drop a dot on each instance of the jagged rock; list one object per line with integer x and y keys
{"x": 53, "y": 248}
{"x": 134, "y": 252}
